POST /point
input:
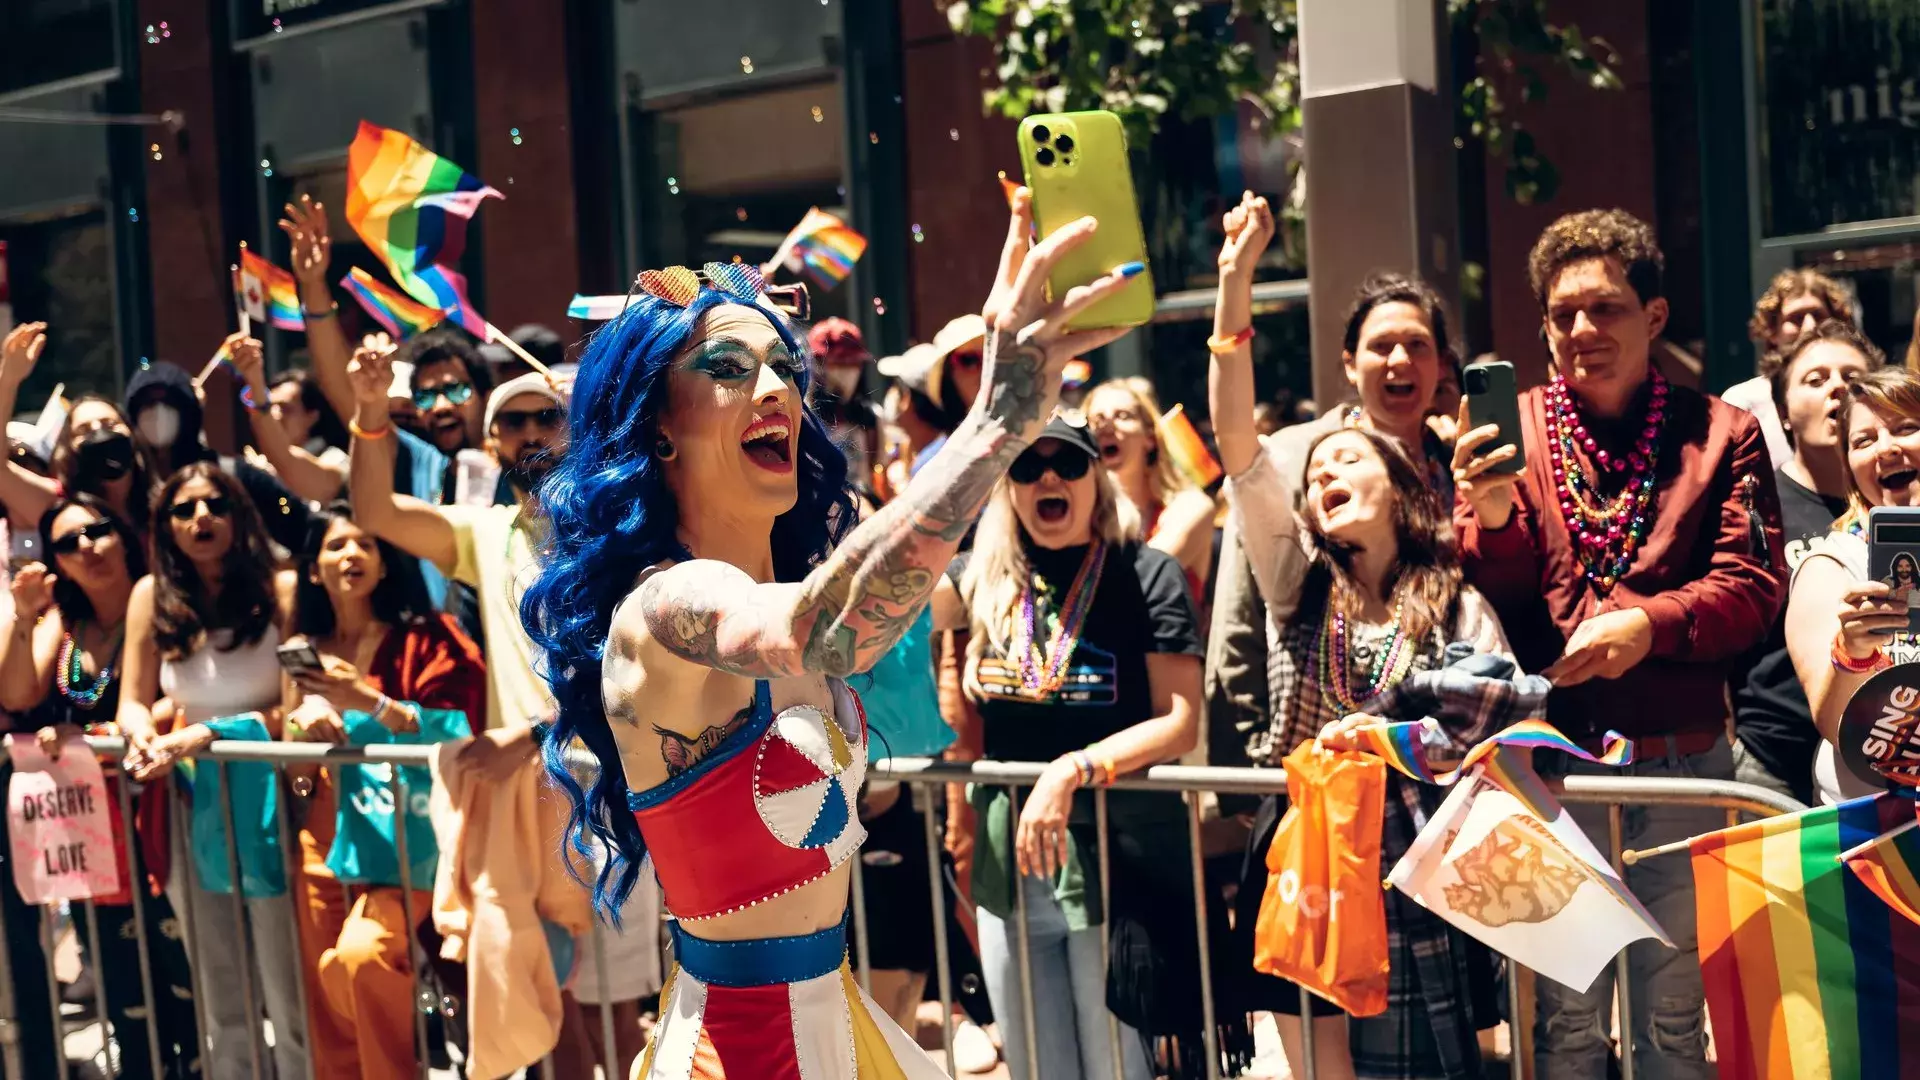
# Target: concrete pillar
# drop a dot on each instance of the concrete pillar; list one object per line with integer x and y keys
{"x": 1377, "y": 108}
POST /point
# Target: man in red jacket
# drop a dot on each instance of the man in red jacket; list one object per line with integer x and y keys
{"x": 1632, "y": 562}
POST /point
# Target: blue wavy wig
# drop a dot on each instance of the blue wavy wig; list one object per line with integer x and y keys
{"x": 613, "y": 516}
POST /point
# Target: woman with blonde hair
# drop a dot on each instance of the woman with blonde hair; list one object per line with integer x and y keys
{"x": 1175, "y": 516}
{"x": 1796, "y": 301}
{"x": 1084, "y": 654}
{"x": 1842, "y": 626}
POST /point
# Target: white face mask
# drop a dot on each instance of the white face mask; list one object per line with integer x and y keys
{"x": 160, "y": 425}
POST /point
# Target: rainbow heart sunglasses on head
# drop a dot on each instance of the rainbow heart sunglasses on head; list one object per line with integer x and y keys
{"x": 678, "y": 285}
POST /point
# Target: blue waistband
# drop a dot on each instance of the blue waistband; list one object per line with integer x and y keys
{"x": 763, "y": 962}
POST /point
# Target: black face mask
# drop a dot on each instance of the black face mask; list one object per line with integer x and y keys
{"x": 105, "y": 454}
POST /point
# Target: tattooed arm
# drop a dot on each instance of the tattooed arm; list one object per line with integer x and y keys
{"x": 856, "y": 604}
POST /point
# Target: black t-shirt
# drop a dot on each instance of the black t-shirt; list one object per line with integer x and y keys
{"x": 1141, "y": 606}
{"x": 1770, "y": 711}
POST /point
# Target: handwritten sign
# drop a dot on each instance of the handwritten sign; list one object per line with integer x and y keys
{"x": 57, "y": 808}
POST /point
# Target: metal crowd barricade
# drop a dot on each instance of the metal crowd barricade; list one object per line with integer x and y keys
{"x": 927, "y": 778}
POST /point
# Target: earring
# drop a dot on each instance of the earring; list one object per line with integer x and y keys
{"x": 663, "y": 448}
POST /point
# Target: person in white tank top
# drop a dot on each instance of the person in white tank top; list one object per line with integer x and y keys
{"x": 201, "y": 633}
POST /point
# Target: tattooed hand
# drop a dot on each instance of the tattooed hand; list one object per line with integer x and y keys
{"x": 859, "y": 602}
{"x": 1029, "y": 343}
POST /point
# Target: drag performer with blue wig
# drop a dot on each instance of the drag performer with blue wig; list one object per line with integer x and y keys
{"x": 706, "y": 593}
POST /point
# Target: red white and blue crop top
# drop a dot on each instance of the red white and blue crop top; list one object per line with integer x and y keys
{"x": 773, "y": 807}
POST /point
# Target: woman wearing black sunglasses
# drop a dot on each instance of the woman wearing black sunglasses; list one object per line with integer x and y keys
{"x": 60, "y": 671}
{"x": 202, "y": 629}
{"x": 1084, "y": 654}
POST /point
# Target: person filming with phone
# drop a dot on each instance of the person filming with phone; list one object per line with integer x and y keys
{"x": 1633, "y": 560}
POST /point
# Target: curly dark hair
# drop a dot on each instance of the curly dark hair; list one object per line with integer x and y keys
{"x": 67, "y": 595}
{"x": 1388, "y": 287}
{"x": 1788, "y": 284}
{"x": 183, "y": 611}
{"x": 1598, "y": 234}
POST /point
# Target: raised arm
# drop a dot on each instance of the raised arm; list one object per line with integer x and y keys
{"x": 406, "y": 523}
{"x": 25, "y": 495}
{"x": 139, "y": 670}
{"x": 1186, "y": 533}
{"x": 866, "y": 594}
{"x": 300, "y": 471}
{"x": 27, "y": 649}
{"x": 1230, "y": 393}
{"x": 305, "y": 224}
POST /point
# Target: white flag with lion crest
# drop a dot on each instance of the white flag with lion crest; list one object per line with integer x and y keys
{"x": 1520, "y": 876}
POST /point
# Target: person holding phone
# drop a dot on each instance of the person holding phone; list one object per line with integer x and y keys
{"x": 1360, "y": 565}
{"x": 704, "y": 595}
{"x": 1634, "y": 560}
{"x": 1842, "y": 626}
{"x": 61, "y": 669}
{"x": 372, "y": 671}
{"x": 202, "y": 628}
{"x": 1776, "y": 740}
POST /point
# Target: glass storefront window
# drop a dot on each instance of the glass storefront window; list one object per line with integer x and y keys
{"x": 42, "y": 41}
{"x": 1839, "y": 113}
{"x": 1886, "y": 280}
{"x": 60, "y": 269}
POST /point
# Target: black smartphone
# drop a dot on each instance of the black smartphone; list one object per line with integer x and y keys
{"x": 1893, "y": 554}
{"x": 1493, "y": 397}
{"x": 298, "y": 657}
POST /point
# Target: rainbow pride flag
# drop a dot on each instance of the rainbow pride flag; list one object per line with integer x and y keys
{"x": 821, "y": 247}
{"x": 1190, "y": 454}
{"x": 411, "y": 207}
{"x": 1891, "y": 868}
{"x": 1808, "y": 974}
{"x": 268, "y": 293}
{"x": 1400, "y": 745}
{"x": 390, "y": 308}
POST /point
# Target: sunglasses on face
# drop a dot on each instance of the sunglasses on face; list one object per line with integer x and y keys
{"x": 456, "y": 393}
{"x": 95, "y": 531}
{"x": 967, "y": 359}
{"x": 517, "y": 420}
{"x": 1029, "y": 467}
{"x": 185, "y": 509}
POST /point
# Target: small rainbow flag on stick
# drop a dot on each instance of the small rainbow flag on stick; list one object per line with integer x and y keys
{"x": 267, "y": 293}
{"x": 1890, "y": 866}
{"x": 822, "y": 247}
{"x": 411, "y": 207}
{"x": 389, "y": 307}
{"x": 1808, "y": 974}
{"x": 1189, "y": 452}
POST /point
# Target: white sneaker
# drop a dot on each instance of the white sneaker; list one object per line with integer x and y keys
{"x": 973, "y": 1052}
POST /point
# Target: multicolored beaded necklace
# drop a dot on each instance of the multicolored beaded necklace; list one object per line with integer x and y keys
{"x": 1042, "y": 674}
{"x": 1336, "y": 676}
{"x": 71, "y": 675}
{"x": 1606, "y": 530}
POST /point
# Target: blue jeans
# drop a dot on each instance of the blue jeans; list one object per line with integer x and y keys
{"x": 1668, "y": 1024}
{"x": 1069, "y": 994}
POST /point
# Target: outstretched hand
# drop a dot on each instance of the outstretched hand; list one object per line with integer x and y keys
{"x": 249, "y": 362}
{"x": 371, "y": 371}
{"x": 32, "y": 587}
{"x": 306, "y": 226}
{"x": 1018, "y": 303}
{"x": 21, "y": 352}
{"x": 1249, "y": 229}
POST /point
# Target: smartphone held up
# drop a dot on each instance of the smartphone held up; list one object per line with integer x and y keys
{"x": 1076, "y": 166}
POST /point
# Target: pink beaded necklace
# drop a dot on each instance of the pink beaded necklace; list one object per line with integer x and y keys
{"x": 1606, "y": 530}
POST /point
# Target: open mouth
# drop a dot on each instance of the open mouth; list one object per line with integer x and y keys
{"x": 1333, "y": 499}
{"x": 1109, "y": 450}
{"x": 352, "y": 574}
{"x": 1899, "y": 479}
{"x": 202, "y": 534}
{"x": 1052, "y": 509}
{"x": 768, "y": 441}
{"x": 1399, "y": 391}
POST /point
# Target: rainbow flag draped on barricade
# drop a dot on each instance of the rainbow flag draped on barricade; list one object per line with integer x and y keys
{"x": 411, "y": 207}
{"x": 1503, "y": 862}
{"x": 401, "y": 316}
{"x": 1809, "y": 974}
{"x": 267, "y": 293}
